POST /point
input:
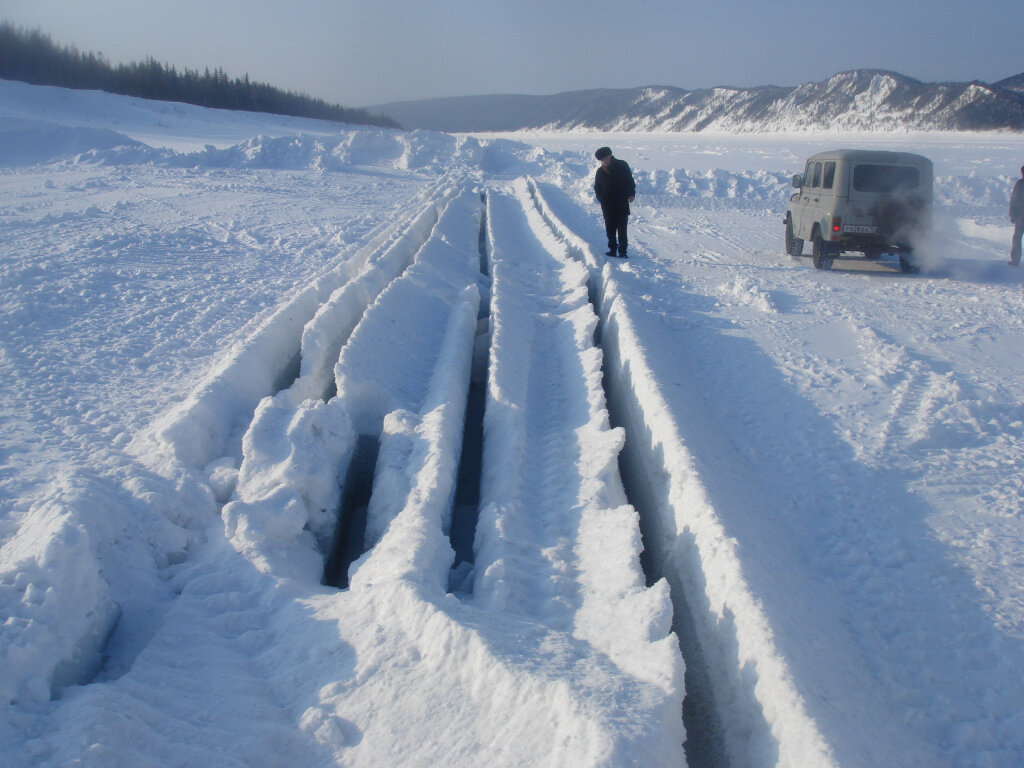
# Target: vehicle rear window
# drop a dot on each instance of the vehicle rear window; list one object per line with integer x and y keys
{"x": 885, "y": 178}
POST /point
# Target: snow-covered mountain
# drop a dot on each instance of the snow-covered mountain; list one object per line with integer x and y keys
{"x": 863, "y": 99}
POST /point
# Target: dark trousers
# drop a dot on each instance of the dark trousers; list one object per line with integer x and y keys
{"x": 615, "y": 228}
{"x": 1018, "y": 233}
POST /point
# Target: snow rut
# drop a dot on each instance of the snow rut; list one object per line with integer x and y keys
{"x": 300, "y": 341}
{"x": 738, "y": 678}
{"x": 555, "y": 543}
{"x": 556, "y": 539}
{"x": 401, "y": 378}
{"x": 348, "y": 478}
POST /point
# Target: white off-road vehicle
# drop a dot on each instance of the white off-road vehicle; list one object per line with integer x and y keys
{"x": 860, "y": 200}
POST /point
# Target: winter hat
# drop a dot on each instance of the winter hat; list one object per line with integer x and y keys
{"x": 602, "y": 153}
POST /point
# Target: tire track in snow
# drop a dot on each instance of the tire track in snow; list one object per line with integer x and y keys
{"x": 412, "y": 402}
{"x": 556, "y": 540}
{"x": 400, "y": 413}
{"x": 746, "y": 688}
{"x": 534, "y": 573}
{"x": 199, "y": 433}
{"x": 289, "y": 478}
{"x": 296, "y": 346}
{"x": 596, "y": 650}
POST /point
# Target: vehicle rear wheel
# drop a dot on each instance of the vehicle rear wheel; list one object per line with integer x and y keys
{"x": 794, "y": 245}
{"x": 908, "y": 264}
{"x": 821, "y": 253}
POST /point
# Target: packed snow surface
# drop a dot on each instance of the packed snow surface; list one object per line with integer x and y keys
{"x": 332, "y": 445}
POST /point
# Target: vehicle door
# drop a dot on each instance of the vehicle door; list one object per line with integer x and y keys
{"x": 810, "y": 198}
{"x": 826, "y": 206}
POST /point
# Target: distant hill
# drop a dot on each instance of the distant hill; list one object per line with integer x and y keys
{"x": 1015, "y": 83}
{"x": 867, "y": 100}
{"x": 33, "y": 57}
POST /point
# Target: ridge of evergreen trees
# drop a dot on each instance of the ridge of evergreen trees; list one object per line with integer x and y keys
{"x": 33, "y": 57}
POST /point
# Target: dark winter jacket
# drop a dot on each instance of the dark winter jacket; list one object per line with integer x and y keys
{"x": 613, "y": 188}
{"x": 1017, "y": 202}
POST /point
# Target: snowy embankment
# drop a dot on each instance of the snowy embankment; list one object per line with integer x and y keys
{"x": 338, "y": 448}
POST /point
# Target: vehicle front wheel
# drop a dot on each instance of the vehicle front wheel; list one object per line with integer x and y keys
{"x": 908, "y": 264}
{"x": 821, "y": 253}
{"x": 794, "y": 244}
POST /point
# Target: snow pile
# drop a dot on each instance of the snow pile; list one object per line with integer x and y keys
{"x": 974, "y": 191}
{"x": 685, "y": 187}
{"x": 51, "y": 577}
{"x": 26, "y": 142}
{"x": 85, "y": 553}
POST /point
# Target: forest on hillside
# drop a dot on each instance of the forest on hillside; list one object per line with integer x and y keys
{"x": 32, "y": 56}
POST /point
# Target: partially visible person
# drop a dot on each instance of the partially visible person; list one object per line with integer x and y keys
{"x": 615, "y": 190}
{"x": 1017, "y": 217}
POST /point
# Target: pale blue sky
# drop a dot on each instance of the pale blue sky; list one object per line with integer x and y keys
{"x": 359, "y": 52}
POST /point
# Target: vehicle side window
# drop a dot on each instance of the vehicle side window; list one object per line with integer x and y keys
{"x": 885, "y": 178}
{"x": 808, "y": 172}
{"x": 830, "y": 175}
{"x": 816, "y": 181}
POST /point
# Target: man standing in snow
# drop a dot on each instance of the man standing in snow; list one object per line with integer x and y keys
{"x": 1017, "y": 217}
{"x": 615, "y": 190}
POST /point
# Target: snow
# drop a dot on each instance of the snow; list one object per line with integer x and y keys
{"x": 240, "y": 356}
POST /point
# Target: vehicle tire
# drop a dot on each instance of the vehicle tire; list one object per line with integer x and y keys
{"x": 794, "y": 245}
{"x": 908, "y": 264}
{"x": 873, "y": 252}
{"x": 821, "y": 253}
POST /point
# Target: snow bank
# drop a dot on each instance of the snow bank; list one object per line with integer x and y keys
{"x": 751, "y": 188}
{"x": 50, "y": 577}
{"x": 89, "y": 550}
{"x": 28, "y": 142}
{"x": 425, "y": 152}
{"x": 40, "y": 124}
{"x": 164, "y": 124}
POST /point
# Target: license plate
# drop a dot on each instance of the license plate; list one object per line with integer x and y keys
{"x": 859, "y": 229}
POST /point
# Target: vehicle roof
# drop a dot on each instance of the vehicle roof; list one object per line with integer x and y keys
{"x": 873, "y": 156}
